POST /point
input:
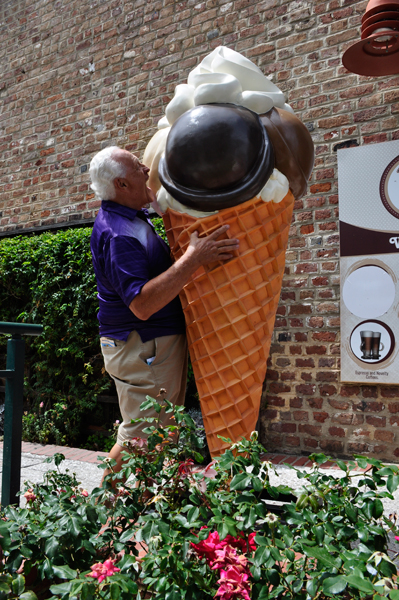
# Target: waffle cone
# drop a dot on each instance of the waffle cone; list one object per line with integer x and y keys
{"x": 230, "y": 309}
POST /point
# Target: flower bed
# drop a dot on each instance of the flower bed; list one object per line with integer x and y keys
{"x": 172, "y": 532}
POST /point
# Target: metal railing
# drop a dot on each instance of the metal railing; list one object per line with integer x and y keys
{"x": 13, "y": 409}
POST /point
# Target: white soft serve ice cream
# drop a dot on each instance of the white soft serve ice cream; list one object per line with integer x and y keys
{"x": 224, "y": 76}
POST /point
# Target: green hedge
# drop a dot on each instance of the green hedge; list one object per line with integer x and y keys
{"x": 49, "y": 279}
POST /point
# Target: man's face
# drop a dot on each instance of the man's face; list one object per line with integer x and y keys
{"x": 132, "y": 187}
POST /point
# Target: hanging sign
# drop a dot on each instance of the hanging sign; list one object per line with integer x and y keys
{"x": 368, "y": 186}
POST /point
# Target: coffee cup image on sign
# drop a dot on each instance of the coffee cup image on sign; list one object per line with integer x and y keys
{"x": 371, "y": 344}
{"x": 368, "y": 291}
{"x": 372, "y": 341}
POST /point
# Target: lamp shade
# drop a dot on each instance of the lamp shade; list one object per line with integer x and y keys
{"x": 377, "y": 53}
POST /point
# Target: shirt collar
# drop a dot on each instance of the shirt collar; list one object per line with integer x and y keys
{"x": 124, "y": 211}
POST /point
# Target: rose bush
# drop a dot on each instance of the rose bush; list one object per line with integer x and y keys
{"x": 167, "y": 529}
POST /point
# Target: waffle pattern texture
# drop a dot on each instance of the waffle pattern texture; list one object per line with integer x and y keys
{"x": 230, "y": 309}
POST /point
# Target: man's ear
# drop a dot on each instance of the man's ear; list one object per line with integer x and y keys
{"x": 119, "y": 183}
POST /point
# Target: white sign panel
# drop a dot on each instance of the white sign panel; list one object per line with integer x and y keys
{"x": 368, "y": 183}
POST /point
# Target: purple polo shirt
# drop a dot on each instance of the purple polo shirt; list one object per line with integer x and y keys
{"x": 127, "y": 252}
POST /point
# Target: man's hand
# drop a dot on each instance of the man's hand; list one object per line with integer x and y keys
{"x": 161, "y": 290}
{"x": 209, "y": 249}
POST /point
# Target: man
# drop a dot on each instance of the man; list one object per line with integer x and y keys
{"x": 141, "y": 321}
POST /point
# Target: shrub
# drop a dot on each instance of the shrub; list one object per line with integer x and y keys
{"x": 49, "y": 279}
{"x": 174, "y": 533}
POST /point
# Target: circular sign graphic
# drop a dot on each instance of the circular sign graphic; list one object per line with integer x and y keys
{"x": 372, "y": 341}
{"x": 389, "y": 187}
{"x": 369, "y": 291}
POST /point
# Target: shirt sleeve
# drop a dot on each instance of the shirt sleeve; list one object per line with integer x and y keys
{"x": 126, "y": 266}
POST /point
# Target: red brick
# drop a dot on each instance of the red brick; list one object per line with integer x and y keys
{"x": 384, "y": 436}
{"x": 311, "y": 443}
{"x": 332, "y": 446}
{"x": 336, "y": 431}
{"x": 320, "y": 417}
{"x": 300, "y": 309}
{"x": 316, "y": 349}
{"x": 318, "y": 188}
{"x": 283, "y": 427}
{"x": 300, "y": 415}
{"x": 390, "y": 392}
{"x": 305, "y": 389}
{"x": 296, "y": 402}
{"x": 314, "y": 430}
{"x": 304, "y": 362}
{"x": 357, "y": 448}
{"x": 327, "y": 390}
{"x": 376, "y": 421}
{"x": 292, "y": 440}
{"x": 348, "y": 391}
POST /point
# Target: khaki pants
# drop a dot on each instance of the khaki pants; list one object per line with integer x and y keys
{"x": 140, "y": 369}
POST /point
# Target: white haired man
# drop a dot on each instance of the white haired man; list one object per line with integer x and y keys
{"x": 142, "y": 331}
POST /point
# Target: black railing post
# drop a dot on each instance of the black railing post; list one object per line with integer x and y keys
{"x": 13, "y": 409}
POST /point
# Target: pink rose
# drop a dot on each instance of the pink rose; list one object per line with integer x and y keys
{"x": 233, "y": 585}
{"x": 101, "y": 571}
{"x": 30, "y": 496}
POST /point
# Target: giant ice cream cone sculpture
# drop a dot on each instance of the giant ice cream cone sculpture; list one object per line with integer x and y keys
{"x": 230, "y": 310}
{"x": 230, "y": 307}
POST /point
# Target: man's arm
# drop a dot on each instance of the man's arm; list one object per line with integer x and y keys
{"x": 161, "y": 290}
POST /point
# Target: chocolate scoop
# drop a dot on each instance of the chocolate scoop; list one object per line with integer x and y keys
{"x": 216, "y": 156}
{"x": 293, "y": 148}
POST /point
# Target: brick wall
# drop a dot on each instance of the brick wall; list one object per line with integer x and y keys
{"x": 79, "y": 75}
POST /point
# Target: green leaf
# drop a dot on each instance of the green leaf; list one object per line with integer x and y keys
{"x": 149, "y": 531}
{"x": 312, "y": 587}
{"x": 392, "y": 483}
{"x": 149, "y": 403}
{"x": 363, "y": 585}
{"x": 18, "y": 584}
{"x": 74, "y": 526}
{"x": 193, "y": 514}
{"x": 51, "y": 547}
{"x": 26, "y": 552}
{"x": 115, "y": 591}
{"x": 249, "y": 518}
{"x": 261, "y": 555}
{"x": 29, "y": 595}
{"x": 64, "y": 572}
{"x": 257, "y": 484}
{"x": 5, "y": 540}
{"x": 323, "y": 556}
{"x": 394, "y": 595}
{"x": 351, "y": 513}
{"x": 240, "y": 481}
{"x": 264, "y": 593}
{"x": 174, "y": 593}
{"x": 377, "y": 508}
{"x": 61, "y": 588}
{"x": 126, "y": 536}
{"x": 319, "y": 534}
{"x": 343, "y": 466}
{"x": 334, "y": 585}
{"x": 91, "y": 513}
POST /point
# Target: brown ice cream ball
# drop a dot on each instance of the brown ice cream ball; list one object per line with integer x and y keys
{"x": 293, "y": 148}
{"x": 216, "y": 156}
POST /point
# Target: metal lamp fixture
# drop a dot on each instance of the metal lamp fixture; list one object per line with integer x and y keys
{"x": 377, "y": 53}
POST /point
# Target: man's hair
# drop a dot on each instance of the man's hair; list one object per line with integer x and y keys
{"x": 103, "y": 170}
